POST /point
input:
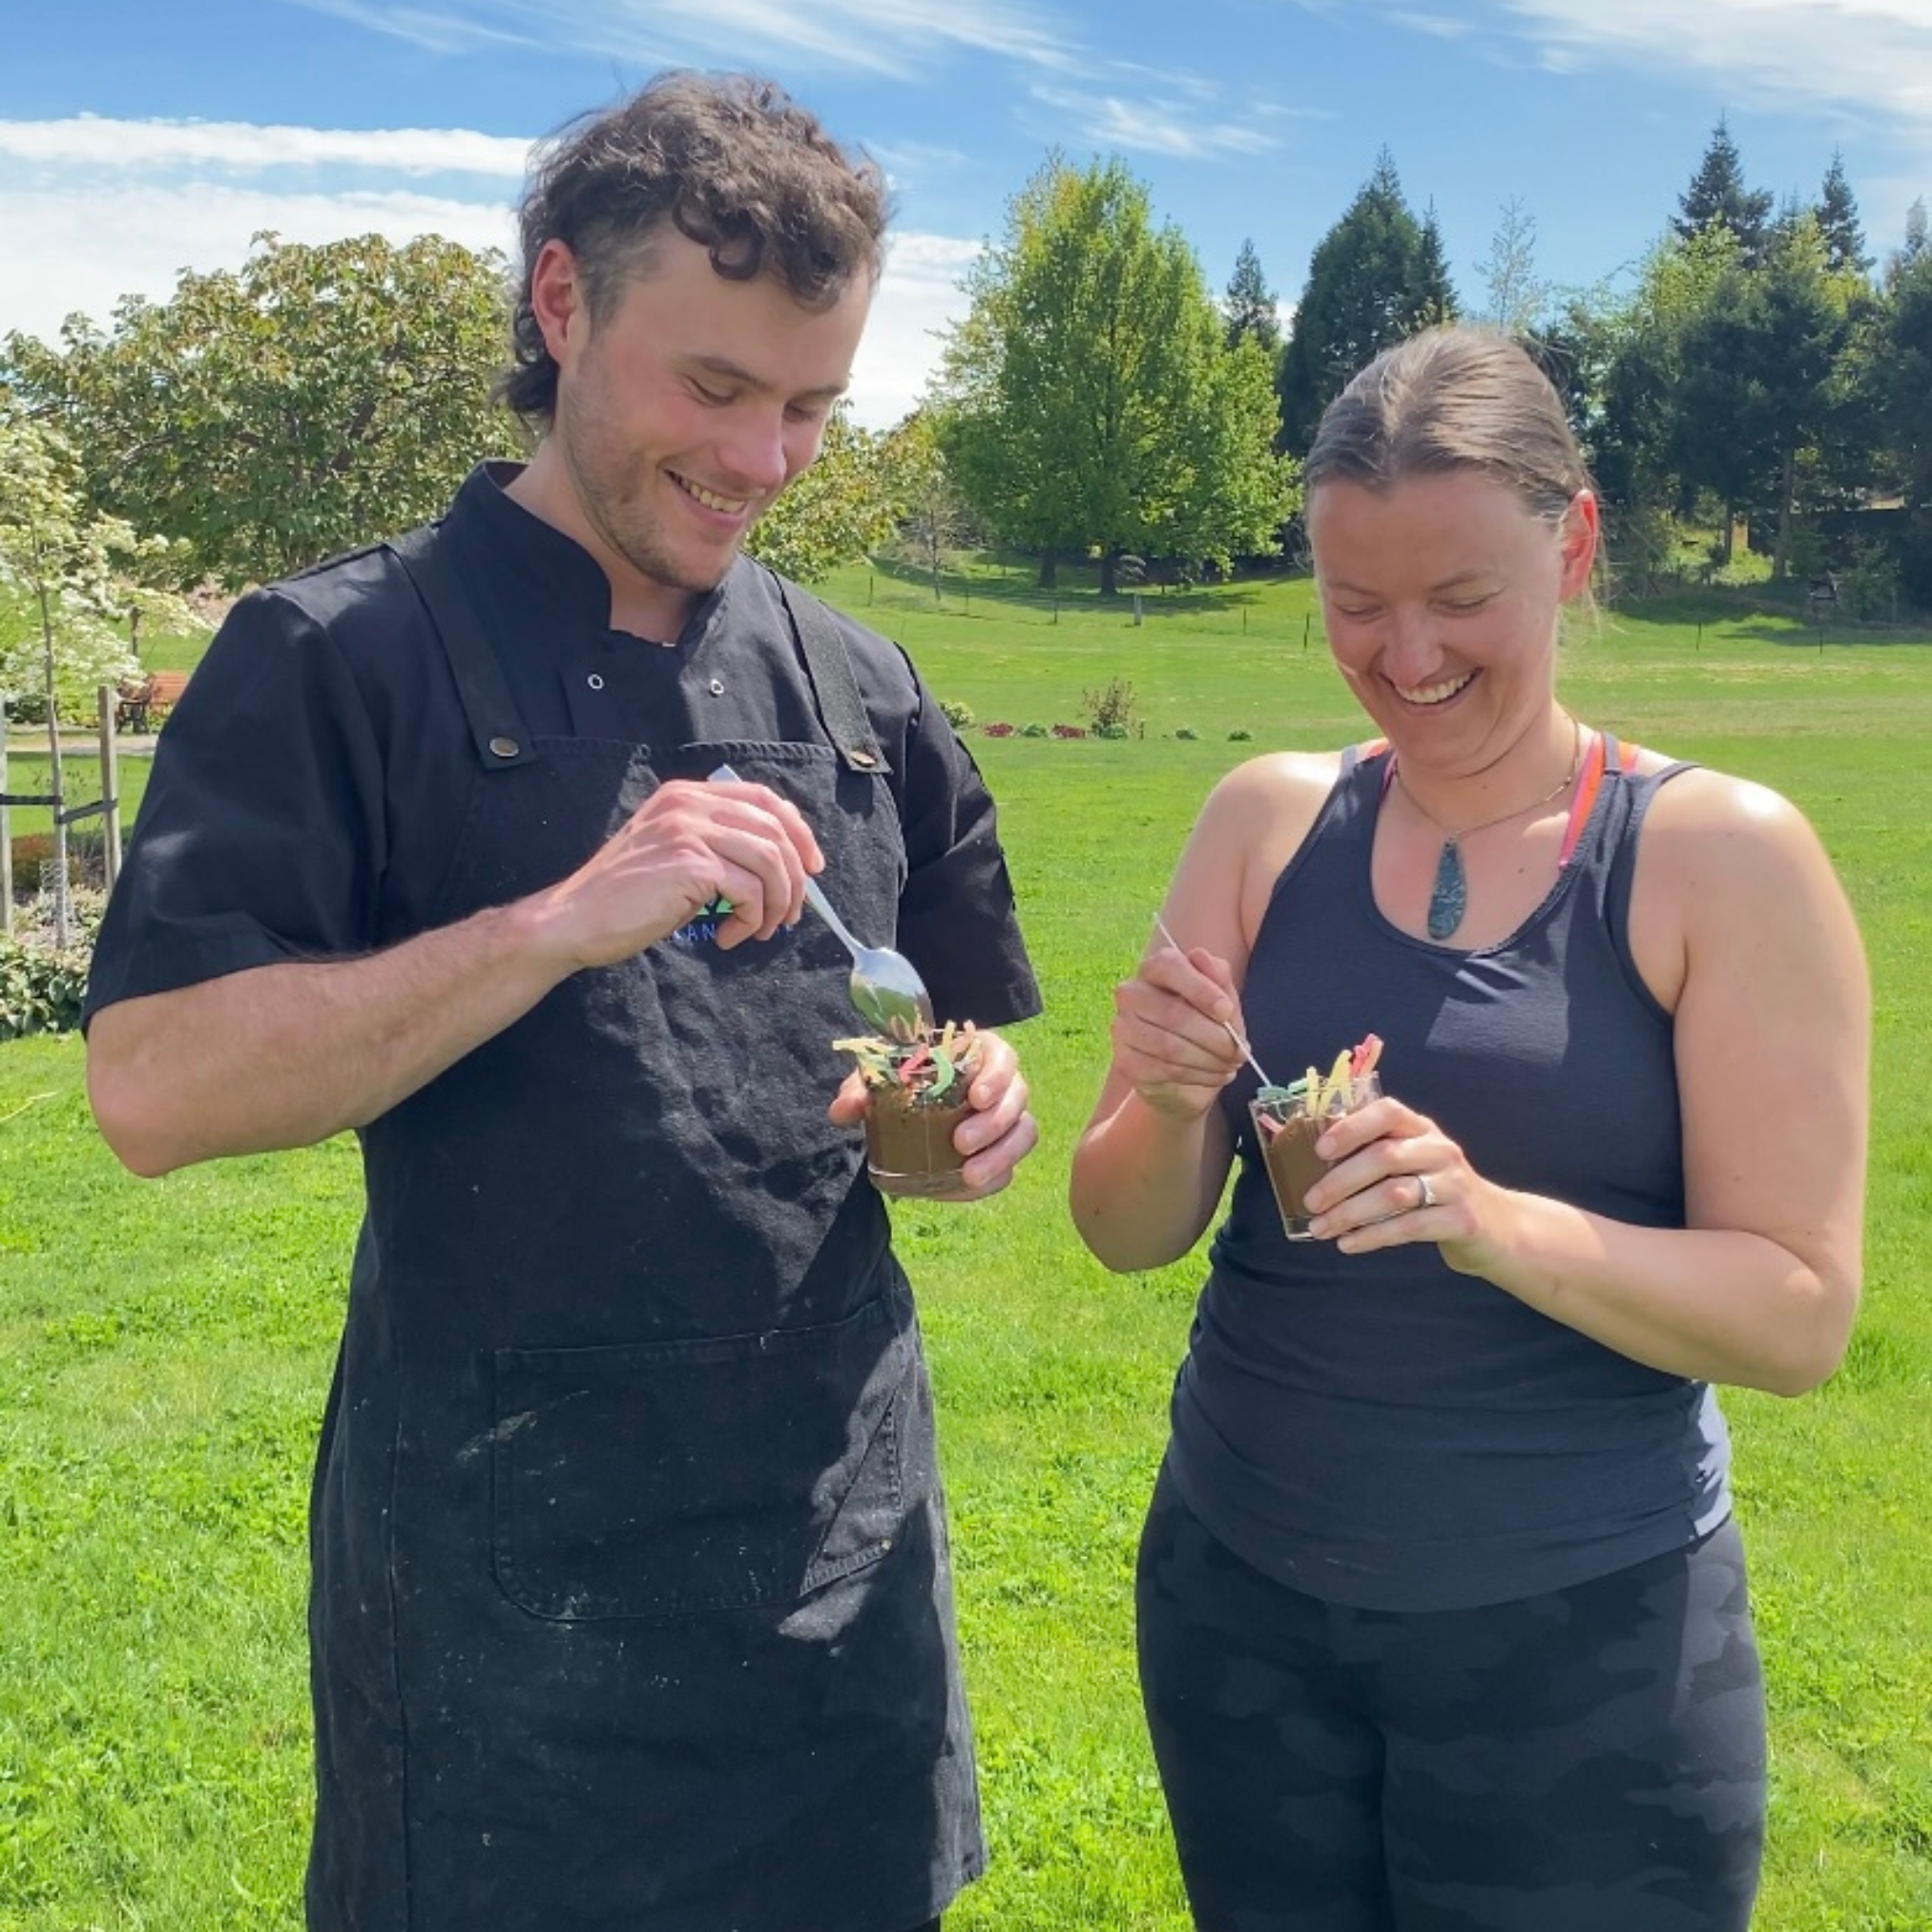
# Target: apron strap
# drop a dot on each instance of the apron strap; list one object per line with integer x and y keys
{"x": 828, "y": 665}
{"x": 496, "y": 723}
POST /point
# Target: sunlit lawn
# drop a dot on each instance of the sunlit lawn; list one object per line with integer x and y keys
{"x": 164, "y": 1346}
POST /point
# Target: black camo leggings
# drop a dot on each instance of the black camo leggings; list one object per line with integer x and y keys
{"x": 1589, "y": 1760}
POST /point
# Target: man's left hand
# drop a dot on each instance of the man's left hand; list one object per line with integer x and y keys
{"x": 996, "y": 1136}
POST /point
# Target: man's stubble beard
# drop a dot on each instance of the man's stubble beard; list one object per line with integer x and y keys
{"x": 618, "y": 516}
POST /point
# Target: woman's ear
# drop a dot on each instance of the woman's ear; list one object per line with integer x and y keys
{"x": 1580, "y": 534}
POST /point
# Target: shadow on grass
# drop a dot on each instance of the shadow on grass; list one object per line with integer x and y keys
{"x": 1752, "y": 619}
{"x": 1016, "y": 585}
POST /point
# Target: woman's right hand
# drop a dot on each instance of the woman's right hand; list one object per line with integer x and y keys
{"x": 1171, "y": 1030}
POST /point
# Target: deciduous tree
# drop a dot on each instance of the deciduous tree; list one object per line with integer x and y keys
{"x": 63, "y": 580}
{"x": 1089, "y": 403}
{"x": 321, "y": 397}
{"x": 1516, "y": 297}
{"x": 834, "y": 513}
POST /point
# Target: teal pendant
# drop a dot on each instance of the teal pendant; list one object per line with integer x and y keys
{"x": 1446, "y": 903}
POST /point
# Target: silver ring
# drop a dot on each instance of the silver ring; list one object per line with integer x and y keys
{"x": 1428, "y": 1199}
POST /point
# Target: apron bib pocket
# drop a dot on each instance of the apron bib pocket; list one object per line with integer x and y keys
{"x": 663, "y": 1479}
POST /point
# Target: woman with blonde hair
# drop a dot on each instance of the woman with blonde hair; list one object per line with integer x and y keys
{"x": 1443, "y": 1619}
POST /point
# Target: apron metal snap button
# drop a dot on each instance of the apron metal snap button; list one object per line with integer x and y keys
{"x": 595, "y": 682}
{"x": 864, "y": 759}
{"x": 505, "y": 747}
{"x": 717, "y": 688}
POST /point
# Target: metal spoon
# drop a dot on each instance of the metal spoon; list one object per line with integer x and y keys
{"x": 885, "y": 988}
{"x": 1247, "y": 1052}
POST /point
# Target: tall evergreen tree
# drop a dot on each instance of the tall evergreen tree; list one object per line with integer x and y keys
{"x": 1916, "y": 243}
{"x": 1369, "y": 284}
{"x": 1439, "y": 303}
{"x": 1249, "y": 305}
{"x": 1904, "y": 368}
{"x": 1717, "y": 193}
{"x": 1837, "y": 222}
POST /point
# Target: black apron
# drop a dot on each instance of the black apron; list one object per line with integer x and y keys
{"x": 631, "y": 1606}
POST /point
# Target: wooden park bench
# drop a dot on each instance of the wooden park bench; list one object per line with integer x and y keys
{"x": 145, "y": 701}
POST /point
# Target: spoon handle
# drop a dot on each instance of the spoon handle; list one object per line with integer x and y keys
{"x": 1247, "y": 1052}
{"x": 823, "y": 906}
{"x": 814, "y": 898}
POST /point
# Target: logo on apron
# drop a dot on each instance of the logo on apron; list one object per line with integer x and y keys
{"x": 704, "y": 929}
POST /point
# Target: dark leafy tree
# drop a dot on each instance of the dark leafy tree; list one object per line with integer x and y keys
{"x": 261, "y": 420}
{"x": 1761, "y": 376}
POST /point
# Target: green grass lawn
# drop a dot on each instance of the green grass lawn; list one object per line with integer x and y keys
{"x": 164, "y": 1346}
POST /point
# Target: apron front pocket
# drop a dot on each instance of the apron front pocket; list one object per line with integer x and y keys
{"x": 661, "y": 1479}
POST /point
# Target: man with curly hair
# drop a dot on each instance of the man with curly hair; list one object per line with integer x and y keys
{"x": 631, "y": 1602}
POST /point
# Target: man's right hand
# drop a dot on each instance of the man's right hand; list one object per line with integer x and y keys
{"x": 687, "y": 846}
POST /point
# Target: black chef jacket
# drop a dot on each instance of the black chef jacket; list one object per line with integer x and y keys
{"x": 632, "y": 1605}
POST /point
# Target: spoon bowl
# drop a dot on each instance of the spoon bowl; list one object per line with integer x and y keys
{"x": 885, "y": 988}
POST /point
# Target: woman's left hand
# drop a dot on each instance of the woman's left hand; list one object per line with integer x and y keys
{"x": 1397, "y": 1177}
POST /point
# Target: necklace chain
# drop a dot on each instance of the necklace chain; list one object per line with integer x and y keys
{"x": 1561, "y": 785}
{"x": 1450, "y": 896}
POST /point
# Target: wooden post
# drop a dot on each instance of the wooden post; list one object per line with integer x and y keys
{"x": 109, "y": 788}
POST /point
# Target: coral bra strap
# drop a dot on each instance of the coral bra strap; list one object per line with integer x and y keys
{"x": 1601, "y": 753}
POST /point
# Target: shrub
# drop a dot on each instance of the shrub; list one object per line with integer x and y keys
{"x": 959, "y": 715}
{"x": 1110, "y": 730}
{"x": 40, "y": 988}
{"x": 1118, "y": 705}
{"x": 997, "y": 730}
{"x": 1240, "y": 735}
{"x": 1869, "y": 586}
{"x": 34, "y": 859}
{"x": 1069, "y": 731}
{"x": 1033, "y": 731}
{"x": 1186, "y": 732}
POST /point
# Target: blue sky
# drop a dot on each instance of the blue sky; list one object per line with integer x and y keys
{"x": 138, "y": 138}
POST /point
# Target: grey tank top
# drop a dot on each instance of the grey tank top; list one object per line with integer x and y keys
{"x": 1377, "y": 1430}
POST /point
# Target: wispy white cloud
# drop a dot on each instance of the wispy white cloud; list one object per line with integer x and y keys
{"x": 906, "y": 159}
{"x": 1189, "y": 130}
{"x": 94, "y": 141}
{"x": 1873, "y": 57}
{"x": 435, "y": 29}
{"x": 1442, "y": 26}
{"x": 892, "y": 38}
